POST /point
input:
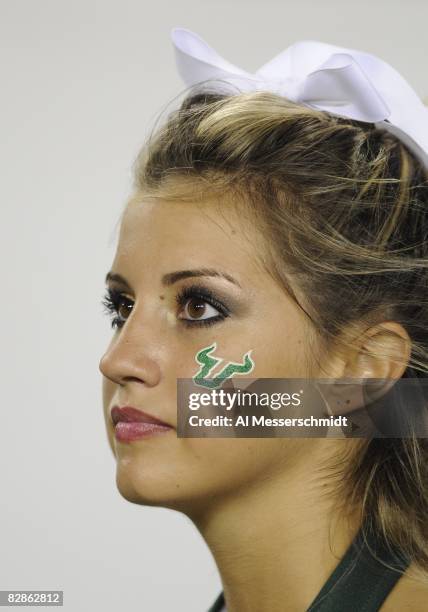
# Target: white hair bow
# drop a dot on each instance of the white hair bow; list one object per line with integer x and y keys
{"x": 343, "y": 82}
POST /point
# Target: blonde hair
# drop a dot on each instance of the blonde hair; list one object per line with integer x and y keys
{"x": 343, "y": 208}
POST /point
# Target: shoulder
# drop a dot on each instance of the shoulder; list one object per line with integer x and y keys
{"x": 410, "y": 594}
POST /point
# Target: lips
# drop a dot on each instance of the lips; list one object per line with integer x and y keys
{"x": 129, "y": 414}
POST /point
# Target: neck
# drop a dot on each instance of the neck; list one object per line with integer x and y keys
{"x": 277, "y": 540}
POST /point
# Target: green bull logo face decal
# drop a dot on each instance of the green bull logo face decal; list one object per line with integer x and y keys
{"x": 208, "y": 364}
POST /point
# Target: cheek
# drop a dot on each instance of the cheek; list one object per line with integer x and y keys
{"x": 275, "y": 355}
{"x": 284, "y": 355}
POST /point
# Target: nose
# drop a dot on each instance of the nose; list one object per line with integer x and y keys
{"x": 133, "y": 355}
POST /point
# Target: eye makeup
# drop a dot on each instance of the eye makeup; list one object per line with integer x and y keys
{"x": 113, "y": 301}
{"x": 202, "y": 294}
{"x": 118, "y": 306}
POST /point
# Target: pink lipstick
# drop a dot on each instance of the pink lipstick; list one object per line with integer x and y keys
{"x": 133, "y": 424}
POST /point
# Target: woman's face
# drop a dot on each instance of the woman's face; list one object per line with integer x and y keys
{"x": 160, "y": 334}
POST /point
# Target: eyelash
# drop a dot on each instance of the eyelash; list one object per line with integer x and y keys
{"x": 113, "y": 299}
{"x": 201, "y": 293}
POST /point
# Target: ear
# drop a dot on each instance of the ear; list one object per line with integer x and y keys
{"x": 382, "y": 351}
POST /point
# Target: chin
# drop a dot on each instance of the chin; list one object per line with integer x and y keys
{"x": 129, "y": 493}
{"x": 160, "y": 491}
{"x": 148, "y": 488}
{"x": 138, "y": 492}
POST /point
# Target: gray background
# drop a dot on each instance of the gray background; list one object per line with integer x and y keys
{"x": 81, "y": 84}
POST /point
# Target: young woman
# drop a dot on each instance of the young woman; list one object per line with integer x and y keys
{"x": 260, "y": 223}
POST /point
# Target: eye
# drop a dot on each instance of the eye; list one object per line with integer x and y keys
{"x": 200, "y": 307}
{"x": 118, "y": 306}
{"x": 197, "y": 308}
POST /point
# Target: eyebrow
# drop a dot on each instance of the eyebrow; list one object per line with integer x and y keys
{"x": 173, "y": 277}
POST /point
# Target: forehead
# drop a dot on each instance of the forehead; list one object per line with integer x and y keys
{"x": 161, "y": 236}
